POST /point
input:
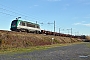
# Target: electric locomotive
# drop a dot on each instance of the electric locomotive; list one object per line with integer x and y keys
{"x": 24, "y": 26}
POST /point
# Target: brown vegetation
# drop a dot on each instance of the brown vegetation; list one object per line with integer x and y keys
{"x": 10, "y": 39}
{"x": 88, "y": 37}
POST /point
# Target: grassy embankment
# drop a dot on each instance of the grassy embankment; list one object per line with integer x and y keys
{"x": 88, "y": 38}
{"x": 33, "y": 48}
{"x": 19, "y": 41}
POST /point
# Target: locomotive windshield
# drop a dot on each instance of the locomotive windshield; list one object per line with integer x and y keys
{"x": 14, "y": 23}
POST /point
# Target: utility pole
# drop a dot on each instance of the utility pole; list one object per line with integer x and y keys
{"x": 71, "y": 32}
{"x": 54, "y": 26}
{"x": 59, "y": 30}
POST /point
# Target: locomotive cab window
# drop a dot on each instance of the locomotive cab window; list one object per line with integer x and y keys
{"x": 38, "y": 27}
{"x": 14, "y": 23}
{"x": 22, "y": 23}
{"x": 30, "y": 25}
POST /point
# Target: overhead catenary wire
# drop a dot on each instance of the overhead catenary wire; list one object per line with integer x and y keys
{"x": 7, "y": 14}
{"x": 19, "y": 13}
{"x": 15, "y": 14}
{"x": 8, "y": 11}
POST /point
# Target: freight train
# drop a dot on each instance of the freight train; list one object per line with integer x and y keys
{"x": 24, "y": 26}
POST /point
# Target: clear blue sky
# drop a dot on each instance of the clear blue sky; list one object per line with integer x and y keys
{"x": 67, "y": 14}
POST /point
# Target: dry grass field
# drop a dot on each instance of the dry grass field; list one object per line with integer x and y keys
{"x": 88, "y": 37}
{"x": 10, "y": 39}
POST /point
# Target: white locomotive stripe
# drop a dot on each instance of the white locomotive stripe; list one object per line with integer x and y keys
{"x": 28, "y": 28}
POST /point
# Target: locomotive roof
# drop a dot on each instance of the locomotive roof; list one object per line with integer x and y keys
{"x": 29, "y": 22}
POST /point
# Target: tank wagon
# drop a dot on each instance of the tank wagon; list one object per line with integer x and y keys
{"x": 24, "y": 26}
